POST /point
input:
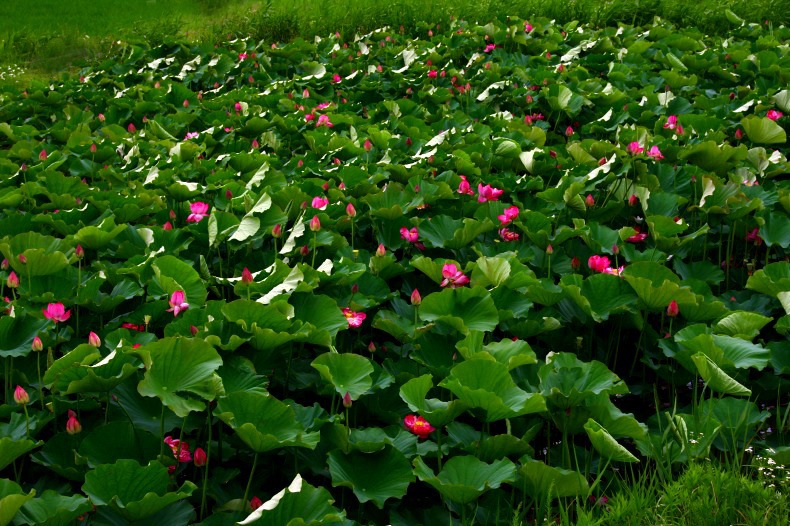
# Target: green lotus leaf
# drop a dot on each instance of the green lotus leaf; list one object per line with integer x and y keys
{"x": 490, "y": 272}
{"x": 300, "y": 504}
{"x": 567, "y": 381}
{"x": 437, "y": 412}
{"x": 776, "y": 230}
{"x": 263, "y": 422}
{"x": 322, "y": 314}
{"x": 39, "y": 263}
{"x": 763, "y": 130}
{"x": 54, "y": 509}
{"x": 347, "y": 373}
{"x": 87, "y": 371}
{"x": 180, "y": 365}
{"x": 91, "y": 296}
{"x": 11, "y": 500}
{"x": 173, "y": 274}
{"x": 771, "y": 280}
{"x": 605, "y": 444}
{"x": 537, "y": 478}
{"x": 739, "y": 419}
{"x": 131, "y": 490}
{"x": 659, "y": 297}
{"x": 742, "y": 324}
{"x": 220, "y": 225}
{"x": 463, "y": 309}
{"x": 464, "y": 478}
{"x": 17, "y": 333}
{"x": 373, "y": 477}
{"x": 717, "y": 379}
{"x": 368, "y": 440}
{"x": 710, "y": 156}
{"x": 500, "y": 446}
{"x": 98, "y": 237}
{"x": 607, "y": 294}
{"x": 11, "y": 449}
{"x": 127, "y": 442}
{"x": 445, "y": 232}
{"x": 83, "y": 354}
{"x": 251, "y": 315}
{"x": 511, "y": 353}
{"x": 487, "y": 385}
{"x": 545, "y": 292}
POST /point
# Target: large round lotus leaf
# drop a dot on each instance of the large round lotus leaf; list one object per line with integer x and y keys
{"x": 435, "y": 411}
{"x": 763, "y": 130}
{"x": 54, "y": 509}
{"x": 133, "y": 491}
{"x": 567, "y": 381}
{"x": 263, "y": 422}
{"x": 605, "y": 444}
{"x": 251, "y": 315}
{"x": 16, "y": 335}
{"x": 58, "y": 456}
{"x": 771, "y": 280}
{"x": 172, "y": 274}
{"x": 776, "y": 230}
{"x": 607, "y": 294}
{"x": 322, "y": 314}
{"x": 742, "y": 324}
{"x": 739, "y": 417}
{"x": 347, "y": 373}
{"x": 490, "y": 272}
{"x": 11, "y": 449}
{"x": 178, "y": 365}
{"x": 298, "y": 504}
{"x": 98, "y": 237}
{"x": 717, "y": 379}
{"x": 463, "y": 309}
{"x": 445, "y": 232}
{"x": 486, "y": 384}
{"x": 500, "y": 446}
{"x": 127, "y": 442}
{"x": 376, "y": 476}
{"x": 11, "y": 499}
{"x": 463, "y": 479}
{"x": 539, "y": 479}
{"x": 87, "y": 372}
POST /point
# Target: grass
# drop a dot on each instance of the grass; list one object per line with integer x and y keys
{"x": 48, "y": 36}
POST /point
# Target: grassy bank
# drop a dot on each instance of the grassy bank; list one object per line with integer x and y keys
{"x": 46, "y": 36}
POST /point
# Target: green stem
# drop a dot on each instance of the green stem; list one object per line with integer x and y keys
{"x": 27, "y": 421}
{"x": 208, "y": 462}
{"x": 162, "y": 433}
{"x": 315, "y": 235}
{"x": 249, "y": 483}
{"x": 439, "y": 447}
{"x": 40, "y": 391}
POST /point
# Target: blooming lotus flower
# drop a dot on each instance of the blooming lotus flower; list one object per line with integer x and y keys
{"x": 614, "y": 271}
{"x": 177, "y": 303}
{"x": 672, "y": 122}
{"x": 489, "y": 48}
{"x": 323, "y": 120}
{"x": 774, "y": 115}
{"x": 508, "y": 215}
{"x": 309, "y": 116}
{"x": 199, "y": 210}
{"x": 599, "y": 263}
{"x": 528, "y": 27}
{"x": 20, "y": 396}
{"x": 638, "y": 237}
{"x": 673, "y": 310}
{"x": 319, "y": 202}
{"x": 355, "y": 319}
{"x": 654, "y": 153}
{"x": 56, "y": 312}
{"x": 73, "y": 425}
{"x": 508, "y": 235}
{"x": 179, "y": 448}
{"x": 410, "y": 235}
{"x": 453, "y": 277}
{"x": 200, "y": 457}
{"x": 634, "y": 148}
{"x": 464, "y": 187}
{"x": 487, "y": 193}
{"x": 418, "y": 425}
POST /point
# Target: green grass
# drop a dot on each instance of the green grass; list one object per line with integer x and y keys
{"x": 47, "y": 36}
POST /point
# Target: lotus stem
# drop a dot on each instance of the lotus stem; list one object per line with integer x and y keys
{"x": 27, "y": 421}
{"x": 208, "y": 463}
{"x": 40, "y": 390}
{"x": 249, "y": 483}
{"x": 439, "y": 446}
{"x": 315, "y": 246}
{"x": 162, "y": 433}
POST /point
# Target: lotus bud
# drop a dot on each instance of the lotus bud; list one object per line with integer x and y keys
{"x": 575, "y": 263}
{"x": 347, "y": 400}
{"x": 199, "y": 457}
{"x": 277, "y": 231}
{"x": 569, "y": 131}
{"x": 93, "y": 339}
{"x": 93, "y": 148}
{"x": 633, "y": 200}
{"x": 549, "y": 250}
{"x": 255, "y": 503}
{"x": 4, "y": 264}
{"x": 381, "y": 251}
{"x": 672, "y": 309}
{"x": 354, "y": 288}
{"x": 20, "y": 396}
{"x": 589, "y": 200}
{"x": 13, "y": 281}
{"x": 304, "y": 250}
{"x": 185, "y": 103}
{"x": 372, "y": 347}
{"x": 79, "y": 252}
{"x": 350, "y": 210}
{"x": 101, "y": 117}
{"x": 228, "y": 195}
{"x": 131, "y": 128}
{"x": 615, "y": 249}
{"x": 37, "y": 345}
{"x": 315, "y": 224}
{"x": 167, "y": 226}
{"x": 368, "y": 145}
{"x": 416, "y": 299}
{"x": 73, "y": 425}
{"x": 246, "y": 276}
{"x": 22, "y": 259}
{"x": 42, "y": 156}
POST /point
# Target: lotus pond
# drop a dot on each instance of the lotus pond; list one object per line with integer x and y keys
{"x": 468, "y": 276}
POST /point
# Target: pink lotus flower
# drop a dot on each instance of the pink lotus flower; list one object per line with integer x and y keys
{"x": 179, "y": 448}
{"x": 528, "y": 27}
{"x": 464, "y": 187}
{"x": 453, "y": 277}
{"x": 93, "y": 339}
{"x": 634, "y": 148}
{"x": 774, "y": 115}
{"x": 599, "y": 263}
{"x": 56, "y": 312}
{"x": 177, "y": 302}
{"x": 350, "y": 210}
{"x": 415, "y": 298}
{"x": 654, "y": 153}
{"x": 323, "y": 120}
{"x": 489, "y": 48}
{"x": 487, "y": 193}
{"x": 410, "y": 235}
{"x": 754, "y": 237}
{"x": 614, "y": 271}
{"x": 432, "y": 74}
{"x": 20, "y": 396}
{"x": 37, "y": 344}
{"x": 355, "y": 319}
{"x": 191, "y": 135}
{"x": 323, "y": 105}
{"x": 319, "y": 202}
{"x": 167, "y": 226}
{"x": 255, "y": 503}
{"x": 508, "y": 215}
{"x": 277, "y": 231}
{"x": 418, "y": 425}
{"x": 246, "y": 276}
{"x": 73, "y": 425}
{"x": 12, "y": 281}
{"x": 337, "y": 78}
{"x": 508, "y": 235}
{"x": 638, "y": 237}
{"x": 199, "y": 210}
{"x": 672, "y": 122}
{"x": 569, "y": 131}
{"x": 347, "y": 401}
{"x": 308, "y": 117}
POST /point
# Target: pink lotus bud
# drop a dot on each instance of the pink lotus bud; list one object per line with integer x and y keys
{"x": 368, "y": 145}
{"x": 20, "y": 396}
{"x": 193, "y": 330}
{"x": 246, "y": 276}
{"x": 185, "y": 103}
{"x": 38, "y": 345}
{"x": 615, "y": 249}
{"x": 416, "y": 299}
{"x": 13, "y": 280}
{"x": 93, "y": 148}
{"x": 381, "y": 251}
{"x": 277, "y": 231}
{"x": 575, "y": 263}
{"x": 304, "y": 251}
{"x": 549, "y": 250}
{"x": 73, "y": 425}
{"x": 167, "y": 226}
{"x": 347, "y": 400}
{"x": 255, "y": 503}
{"x": 79, "y": 252}
{"x": 199, "y": 457}
{"x": 738, "y": 134}
{"x": 22, "y": 259}
{"x": 228, "y": 195}
{"x": 101, "y": 117}
{"x": 633, "y": 200}
{"x": 237, "y": 106}
{"x": 589, "y": 200}
{"x": 569, "y": 131}
{"x": 4, "y": 264}
{"x": 371, "y": 347}
{"x": 131, "y": 128}
{"x": 315, "y": 224}
{"x": 93, "y": 339}
{"x": 672, "y": 309}
{"x": 350, "y": 210}
{"x": 42, "y": 156}
{"x": 255, "y": 144}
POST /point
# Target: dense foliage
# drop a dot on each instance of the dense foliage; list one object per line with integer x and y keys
{"x": 406, "y": 279}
